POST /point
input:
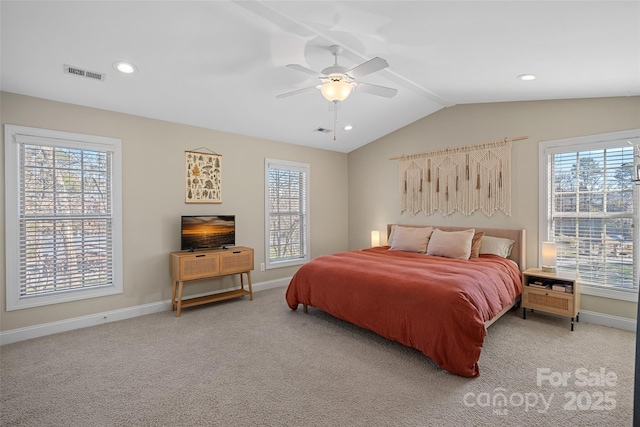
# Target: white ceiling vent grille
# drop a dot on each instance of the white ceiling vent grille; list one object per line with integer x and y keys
{"x": 70, "y": 69}
{"x": 323, "y": 130}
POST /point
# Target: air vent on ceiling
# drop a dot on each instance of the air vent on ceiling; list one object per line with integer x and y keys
{"x": 70, "y": 69}
{"x": 323, "y": 130}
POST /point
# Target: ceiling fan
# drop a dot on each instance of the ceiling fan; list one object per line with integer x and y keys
{"x": 338, "y": 82}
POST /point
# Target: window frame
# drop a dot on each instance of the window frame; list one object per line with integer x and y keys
{"x": 12, "y": 213}
{"x": 292, "y": 166}
{"x": 586, "y": 143}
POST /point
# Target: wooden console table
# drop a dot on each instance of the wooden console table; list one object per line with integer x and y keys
{"x": 187, "y": 266}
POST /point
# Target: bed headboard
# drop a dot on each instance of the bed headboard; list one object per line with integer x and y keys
{"x": 518, "y": 252}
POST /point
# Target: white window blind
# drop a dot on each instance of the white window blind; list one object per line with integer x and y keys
{"x": 286, "y": 219}
{"x": 591, "y": 209}
{"x": 66, "y": 226}
{"x": 65, "y": 219}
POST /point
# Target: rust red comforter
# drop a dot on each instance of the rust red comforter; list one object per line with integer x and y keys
{"x": 434, "y": 304}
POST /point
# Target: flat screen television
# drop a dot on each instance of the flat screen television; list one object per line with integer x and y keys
{"x": 208, "y": 232}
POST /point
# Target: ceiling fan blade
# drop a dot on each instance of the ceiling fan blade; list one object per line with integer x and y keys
{"x": 387, "y": 92}
{"x": 305, "y": 70}
{"x": 371, "y": 66}
{"x": 295, "y": 92}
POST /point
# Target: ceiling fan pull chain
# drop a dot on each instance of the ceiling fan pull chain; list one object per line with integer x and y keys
{"x": 335, "y": 118}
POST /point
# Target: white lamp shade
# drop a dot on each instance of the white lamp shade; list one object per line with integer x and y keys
{"x": 336, "y": 90}
{"x": 375, "y": 238}
{"x": 549, "y": 255}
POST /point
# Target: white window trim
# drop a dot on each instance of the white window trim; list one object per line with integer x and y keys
{"x": 583, "y": 143}
{"x": 291, "y": 165}
{"x": 12, "y": 213}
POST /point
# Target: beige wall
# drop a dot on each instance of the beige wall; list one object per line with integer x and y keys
{"x": 342, "y": 217}
{"x": 373, "y": 178}
{"x": 153, "y": 198}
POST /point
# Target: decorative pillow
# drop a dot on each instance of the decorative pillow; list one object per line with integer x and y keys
{"x": 393, "y": 230}
{"x": 410, "y": 239}
{"x": 496, "y": 246}
{"x": 391, "y": 233}
{"x": 451, "y": 244}
{"x": 475, "y": 244}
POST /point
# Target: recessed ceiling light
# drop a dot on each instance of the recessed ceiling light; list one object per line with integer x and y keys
{"x": 124, "y": 67}
{"x": 527, "y": 77}
{"x": 348, "y": 127}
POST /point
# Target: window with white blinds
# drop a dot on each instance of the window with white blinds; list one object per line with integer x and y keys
{"x": 65, "y": 232}
{"x": 286, "y": 216}
{"x": 591, "y": 207}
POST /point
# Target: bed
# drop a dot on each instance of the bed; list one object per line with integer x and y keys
{"x": 425, "y": 296}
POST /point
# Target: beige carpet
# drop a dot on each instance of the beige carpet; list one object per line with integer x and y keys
{"x": 243, "y": 363}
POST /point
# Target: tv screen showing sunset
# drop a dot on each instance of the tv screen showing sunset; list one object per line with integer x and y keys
{"x": 208, "y": 231}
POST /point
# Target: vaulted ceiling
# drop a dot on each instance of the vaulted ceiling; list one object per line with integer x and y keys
{"x": 220, "y": 64}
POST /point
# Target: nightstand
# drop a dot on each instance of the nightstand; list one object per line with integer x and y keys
{"x": 557, "y": 293}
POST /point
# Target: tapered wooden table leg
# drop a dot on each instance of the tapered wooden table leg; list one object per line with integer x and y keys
{"x": 173, "y": 296}
{"x": 180, "y": 286}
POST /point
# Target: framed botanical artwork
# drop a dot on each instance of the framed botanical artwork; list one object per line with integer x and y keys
{"x": 203, "y": 177}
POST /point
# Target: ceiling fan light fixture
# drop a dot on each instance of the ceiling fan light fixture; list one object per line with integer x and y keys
{"x": 336, "y": 90}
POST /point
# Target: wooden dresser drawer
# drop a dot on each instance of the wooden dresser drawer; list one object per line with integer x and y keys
{"x": 236, "y": 261}
{"x": 198, "y": 266}
{"x": 550, "y": 301}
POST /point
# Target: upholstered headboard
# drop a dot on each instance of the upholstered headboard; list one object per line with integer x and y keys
{"x": 518, "y": 252}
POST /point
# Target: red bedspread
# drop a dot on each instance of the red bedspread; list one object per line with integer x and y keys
{"x": 434, "y": 304}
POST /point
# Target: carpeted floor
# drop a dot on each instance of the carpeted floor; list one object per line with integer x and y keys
{"x": 243, "y": 363}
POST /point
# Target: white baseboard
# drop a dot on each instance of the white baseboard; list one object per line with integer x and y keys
{"x": 21, "y": 334}
{"x": 608, "y": 320}
{"x": 270, "y": 284}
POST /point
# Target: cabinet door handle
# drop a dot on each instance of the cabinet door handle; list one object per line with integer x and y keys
{"x": 198, "y": 256}
{"x": 237, "y": 252}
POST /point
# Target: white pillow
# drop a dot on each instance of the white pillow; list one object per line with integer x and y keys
{"x": 496, "y": 246}
{"x": 451, "y": 244}
{"x": 410, "y": 239}
{"x": 393, "y": 230}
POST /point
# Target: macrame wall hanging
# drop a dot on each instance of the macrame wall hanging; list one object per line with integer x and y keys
{"x": 464, "y": 179}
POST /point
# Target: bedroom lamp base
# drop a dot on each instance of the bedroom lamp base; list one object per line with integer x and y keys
{"x": 548, "y": 269}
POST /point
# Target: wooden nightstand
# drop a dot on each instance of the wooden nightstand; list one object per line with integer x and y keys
{"x": 557, "y": 293}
